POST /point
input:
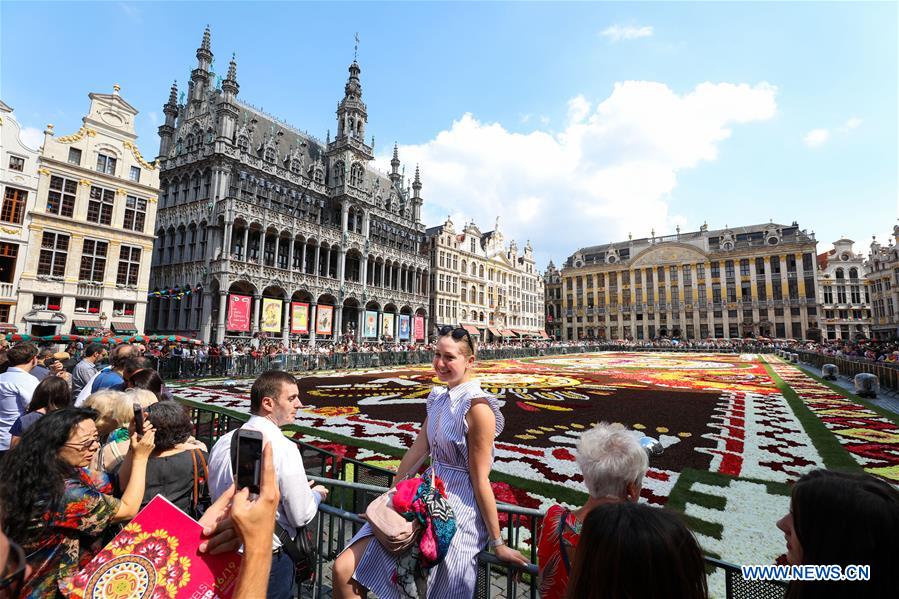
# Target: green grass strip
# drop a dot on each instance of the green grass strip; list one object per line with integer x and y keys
{"x": 833, "y": 453}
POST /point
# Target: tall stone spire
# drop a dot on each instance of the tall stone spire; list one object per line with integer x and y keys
{"x": 173, "y": 96}
{"x": 199, "y": 77}
{"x": 167, "y": 129}
{"x": 416, "y": 184}
{"x": 204, "y": 52}
{"x": 395, "y": 164}
{"x": 352, "y": 117}
{"x": 229, "y": 85}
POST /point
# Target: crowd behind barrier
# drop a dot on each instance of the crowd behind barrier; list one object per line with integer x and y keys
{"x": 354, "y": 484}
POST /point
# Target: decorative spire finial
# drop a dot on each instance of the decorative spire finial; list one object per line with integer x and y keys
{"x": 356, "y": 48}
{"x": 115, "y": 89}
{"x": 206, "y": 45}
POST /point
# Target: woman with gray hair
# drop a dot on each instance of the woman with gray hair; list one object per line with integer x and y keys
{"x": 613, "y": 463}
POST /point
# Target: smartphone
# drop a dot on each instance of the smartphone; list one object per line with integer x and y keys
{"x": 138, "y": 419}
{"x": 249, "y": 459}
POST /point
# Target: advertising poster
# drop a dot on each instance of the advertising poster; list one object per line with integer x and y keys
{"x": 324, "y": 320}
{"x": 370, "y": 325}
{"x": 387, "y": 325}
{"x": 419, "y": 327}
{"x": 239, "y": 312}
{"x": 404, "y": 327}
{"x": 271, "y": 315}
{"x": 299, "y": 318}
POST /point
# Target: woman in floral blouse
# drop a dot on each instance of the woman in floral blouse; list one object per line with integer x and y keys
{"x": 54, "y": 506}
{"x": 613, "y": 464}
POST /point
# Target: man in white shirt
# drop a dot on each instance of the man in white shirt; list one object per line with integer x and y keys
{"x": 274, "y": 401}
{"x": 16, "y": 388}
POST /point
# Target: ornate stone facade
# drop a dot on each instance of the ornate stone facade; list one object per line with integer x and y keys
{"x": 91, "y": 228}
{"x": 756, "y": 280}
{"x": 843, "y": 300}
{"x": 552, "y": 282}
{"x": 484, "y": 285}
{"x": 18, "y": 190}
{"x": 254, "y": 207}
{"x": 882, "y": 274}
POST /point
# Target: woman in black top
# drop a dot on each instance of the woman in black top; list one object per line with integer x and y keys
{"x": 170, "y": 470}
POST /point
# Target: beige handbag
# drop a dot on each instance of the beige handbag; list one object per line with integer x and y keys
{"x": 393, "y": 532}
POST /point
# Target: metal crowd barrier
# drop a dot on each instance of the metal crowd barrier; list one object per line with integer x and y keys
{"x": 353, "y": 484}
{"x": 176, "y": 367}
{"x": 849, "y": 367}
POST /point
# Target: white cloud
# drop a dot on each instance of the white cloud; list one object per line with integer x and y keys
{"x": 850, "y": 124}
{"x": 31, "y": 137}
{"x": 616, "y": 33}
{"x": 609, "y": 172}
{"x": 816, "y": 138}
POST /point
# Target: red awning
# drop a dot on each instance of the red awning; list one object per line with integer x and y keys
{"x": 495, "y": 332}
{"x": 86, "y": 324}
{"x": 471, "y": 330}
{"x": 507, "y": 333}
{"x": 544, "y": 335}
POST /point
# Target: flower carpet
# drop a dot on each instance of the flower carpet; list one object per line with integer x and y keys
{"x": 736, "y": 430}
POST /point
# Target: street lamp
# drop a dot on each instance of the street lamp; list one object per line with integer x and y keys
{"x": 103, "y": 319}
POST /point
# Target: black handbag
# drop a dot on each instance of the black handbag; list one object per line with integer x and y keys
{"x": 301, "y": 549}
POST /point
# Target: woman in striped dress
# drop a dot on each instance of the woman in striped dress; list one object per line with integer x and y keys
{"x": 461, "y": 425}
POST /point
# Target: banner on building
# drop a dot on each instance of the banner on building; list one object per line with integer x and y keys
{"x": 419, "y": 328}
{"x": 370, "y": 325}
{"x": 271, "y": 315}
{"x": 239, "y": 313}
{"x": 404, "y": 327}
{"x": 387, "y": 325}
{"x": 324, "y": 320}
{"x": 299, "y": 318}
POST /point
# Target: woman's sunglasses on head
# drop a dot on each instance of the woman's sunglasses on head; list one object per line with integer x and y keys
{"x": 456, "y": 333}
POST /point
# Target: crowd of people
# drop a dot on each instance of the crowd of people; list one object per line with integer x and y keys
{"x": 74, "y": 468}
{"x": 886, "y": 352}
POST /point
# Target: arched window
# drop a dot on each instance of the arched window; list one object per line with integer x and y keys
{"x": 853, "y": 273}
{"x": 481, "y": 271}
{"x": 464, "y": 294}
{"x": 243, "y": 143}
{"x": 270, "y": 154}
{"x": 839, "y": 273}
{"x": 295, "y": 166}
{"x": 337, "y": 173}
{"x": 190, "y": 142}
{"x": 464, "y": 267}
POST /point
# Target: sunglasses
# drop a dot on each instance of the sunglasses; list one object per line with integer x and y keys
{"x": 14, "y": 574}
{"x": 457, "y": 333}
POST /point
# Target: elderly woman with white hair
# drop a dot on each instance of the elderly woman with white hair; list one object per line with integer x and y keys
{"x": 613, "y": 464}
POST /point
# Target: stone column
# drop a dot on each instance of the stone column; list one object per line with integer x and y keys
{"x": 246, "y": 244}
{"x": 285, "y": 324}
{"x": 383, "y": 264}
{"x": 277, "y": 250}
{"x": 220, "y": 325}
{"x": 257, "y": 300}
{"x": 338, "y": 323}
{"x": 293, "y": 242}
{"x": 363, "y": 270}
{"x": 318, "y": 266}
{"x": 361, "y": 322}
{"x": 312, "y": 317}
{"x": 344, "y": 216}
{"x": 205, "y": 323}
{"x": 303, "y": 261}
{"x": 341, "y": 265}
{"x": 226, "y": 251}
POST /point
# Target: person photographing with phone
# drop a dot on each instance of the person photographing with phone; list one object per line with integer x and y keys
{"x": 274, "y": 401}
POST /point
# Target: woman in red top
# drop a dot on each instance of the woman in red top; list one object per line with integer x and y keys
{"x": 613, "y": 464}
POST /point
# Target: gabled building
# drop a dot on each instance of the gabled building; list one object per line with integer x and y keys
{"x": 18, "y": 190}
{"x": 843, "y": 300}
{"x": 91, "y": 228}
{"x": 882, "y": 274}
{"x": 552, "y": 283}
{"x": 483, "y": 284}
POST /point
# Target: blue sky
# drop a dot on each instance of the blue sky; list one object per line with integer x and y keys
{"x": 577, "y": 123}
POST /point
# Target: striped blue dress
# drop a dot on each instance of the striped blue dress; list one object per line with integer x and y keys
{"x": 455, "y": 577}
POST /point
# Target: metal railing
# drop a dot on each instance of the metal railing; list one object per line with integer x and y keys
{"x": 176, "y": 367}
{"x": 849, "y": 367}
{"x": 354, "y": 484}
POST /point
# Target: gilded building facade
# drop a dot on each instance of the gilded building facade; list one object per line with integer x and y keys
{"x": 882, "y": 274}
{"x": 87, "y": 265}
{"x": 275, "y": 232}
{"x": 483, "y": 284}
{"x": 18, "y": 190}
{"x": 758, "y": 280}
{"x": 552, "y": 284}
{"x": 843, "y": 301}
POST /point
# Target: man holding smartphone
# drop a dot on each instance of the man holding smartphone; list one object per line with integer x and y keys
{"x": 274, "y": 401}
